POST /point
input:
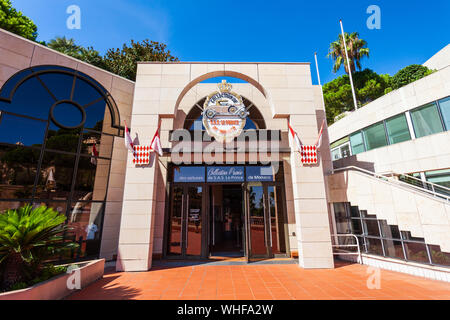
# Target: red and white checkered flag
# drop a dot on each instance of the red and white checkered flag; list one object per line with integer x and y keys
{"x": 141, "y": 155}
{"x": 308, "y": 154}
{"x": 156, "y": 146}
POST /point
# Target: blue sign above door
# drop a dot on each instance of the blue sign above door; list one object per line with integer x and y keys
{"x": 260, "y": 174}
{"x": 225, "y": 174}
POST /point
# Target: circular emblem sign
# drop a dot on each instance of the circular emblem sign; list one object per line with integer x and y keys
{"x": 224, "y": 114}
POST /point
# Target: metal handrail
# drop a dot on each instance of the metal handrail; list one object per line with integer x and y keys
{"x": 398, "y": 182}
{"x": 348, "y": 246}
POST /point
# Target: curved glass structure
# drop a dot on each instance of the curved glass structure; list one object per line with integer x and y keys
{"x": 57, "y": 128}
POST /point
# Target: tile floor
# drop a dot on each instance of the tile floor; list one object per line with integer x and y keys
{"x": 260, "y": 282}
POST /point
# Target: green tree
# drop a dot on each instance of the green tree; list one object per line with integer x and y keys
{"x": 123, "y": 62}
{"x": 69, "y": 47}
{"x": 407, "y": 75}
{"x": 27, "y": 238}
{"x": 15, "y": 22}
{"x": 356, "y": 48}
{"x": 369, "y": 86}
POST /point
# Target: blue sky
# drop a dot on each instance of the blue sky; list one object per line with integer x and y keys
{"x": 248, "y": 30}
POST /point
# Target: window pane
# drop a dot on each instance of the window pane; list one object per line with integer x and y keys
{"x": 342, "y": 226}
{"x": 95, "y": 115}
{"x": 92, "y": 179}
{"x": 374, "y": 246}
{"x": 416, "y": 252}
{"x": 393, "y": 249}
{"x": 439, "y": 257}
{"x": 59, "y": 84}
{"x": 340, "y": 210}
{"x": 406, "y": 235}
{"x": 375, "y": 136}
{"x": 56, "y": 176}
{"x": 426, "y": 120}
{"x": 397, "y": 129}
{"x": 85, "y": 220}
{"x": 441, "y": 177}
{"x": 388, "y": 231}
{"x": 22, "y": 131}
{"x": 103, "y": 144}
{"x": 30, "y": 99}
{"x": 372, "y": 228}
{"x": 356, "y": 227}
{"x": 336, "y": 154}
{"x": 345, "y": 151}
{"x": 18, "y": 167}
{"x": 62, "y": 139}
{"x": 354, "y": 211}
{"x": 357, "y": 143}
{"x": 445, "y": 110}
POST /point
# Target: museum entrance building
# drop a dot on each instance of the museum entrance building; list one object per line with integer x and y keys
{"x": 230, "y": 180}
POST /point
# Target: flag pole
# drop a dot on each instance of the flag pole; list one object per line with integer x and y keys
{"x": 348, "y": 65}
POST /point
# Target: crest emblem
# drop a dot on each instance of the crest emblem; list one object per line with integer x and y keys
{"x": 224, "y": 113}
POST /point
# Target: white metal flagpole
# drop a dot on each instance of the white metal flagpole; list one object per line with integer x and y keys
{"x": 348, "y": 65}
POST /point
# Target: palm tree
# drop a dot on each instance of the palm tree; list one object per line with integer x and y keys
{"x": 356, "y": 48}
{"x": 64, "y": 45}
{"x": 27, "y": 237}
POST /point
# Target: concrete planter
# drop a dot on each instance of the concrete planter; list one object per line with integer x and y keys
{"x": 57, "y": 288}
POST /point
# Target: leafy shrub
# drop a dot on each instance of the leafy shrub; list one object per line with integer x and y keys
{"x": 27, "y": 238}
{"x": 409, "y": 74}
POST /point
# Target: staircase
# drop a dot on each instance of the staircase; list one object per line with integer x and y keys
{"x": 421, "y": 209}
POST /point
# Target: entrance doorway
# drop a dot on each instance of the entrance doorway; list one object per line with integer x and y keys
{"x": 226, "y": 221}
{"x": 207, "y": 218}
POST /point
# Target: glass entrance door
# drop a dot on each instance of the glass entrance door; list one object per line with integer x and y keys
{"x": 186, "y": 222}
{"x": 265, "y": 221}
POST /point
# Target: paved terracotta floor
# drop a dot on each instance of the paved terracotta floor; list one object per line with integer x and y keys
{"x": 261, "y": 282}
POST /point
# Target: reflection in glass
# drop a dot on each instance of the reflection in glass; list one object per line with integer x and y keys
{"x": 356, "y": 227}
{"x": 257, "y": 220}
{"x": 416, "y": 252}
{"x": 372, "y": 228}
{"x": 426, "y": 120}
{"x": 357, "y": 143}
{"x": 21, "y": 131}
{"x": 393, "y": 249}
{"x": 276, "y": 220}
{"x": 374, "y": 246}
{"x": 55, "y": 180}
{"x": 391, "y": 232}
{"x": 194, "y": 221}
{"x": 375, "y": 136}
{"x": 397, "y": 129}
{"x": 92, "y": 179}
{"x": 176, "y": 221}
{"x": 439, "y": 257}
{"x": 18, "y": 166}
{"x": 445, "y": 110}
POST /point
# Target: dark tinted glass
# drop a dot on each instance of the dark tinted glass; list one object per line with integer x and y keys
{"x": 56, "y": 176}
{"x": 356, "y": 227}
{"x": 59, "y": 84}
{"x": 374, "y": 246}
{"x": 388, "y": 231}
{"x": 21, "y": 131}
{"x": 62, "y": 139}
{"x": 393, "y": 249}
{"x": 31, "y": 99}
{"x": 372, "y": 228}
{"x": 92, "y": 179}
{"x": 18, "y": 167}
{"x": 439, "y": 257}
{"x": 416, "y": 252}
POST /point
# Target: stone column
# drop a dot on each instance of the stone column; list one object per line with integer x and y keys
{"x": 310, "y": 201}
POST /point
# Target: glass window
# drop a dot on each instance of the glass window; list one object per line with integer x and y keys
{"x": 374, "y": 246}
{"x": 375, "y": 136}
{"x": 445, "y": 110}
{"x": 393, "y": 249}
{"x": 336, "y": 154}
{"x": 18, "y": 167}
{"x": 21, "y": 131}
{"x": 439, "y": 257}
{"x": 397, "y": 129}
{"x": 357, "y": 143}
{"x": 92, "y": 179}
{"x": 416, "y": 252}
{"x": 340, "y": 210}
{"x": 441, "y": 177}
{"x": 354, "y": 212}
{"x": 426, "y": 120}
{"x": 345, "y": 151}
{"x": 62, "y": 139}
{"x": 372, "y": 228}
{"x": 339, "y": 143}
{"x": 391, "y": 232}
{"x": 357, "y": 227}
